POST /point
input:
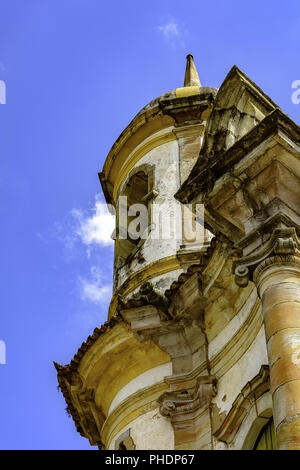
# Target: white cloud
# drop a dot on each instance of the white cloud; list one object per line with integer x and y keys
{"x": 94, "y": 289}
{"x": 172, "y": 32}
{"x": 97, "y": 227}
{"x": 169, "y": 30}
{"x": 88, "y": 232}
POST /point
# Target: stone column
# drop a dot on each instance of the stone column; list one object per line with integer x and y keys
{"x": 275, "y": 270}
{"x": 278, "y": 283}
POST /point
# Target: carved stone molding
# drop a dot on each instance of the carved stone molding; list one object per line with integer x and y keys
{"x": 252, "y": 391}
{"x": 188, "y": 406}
{"x": 88, "y": 417}
{"x": 279, "y": 260}
{"x": 281, "y": 247}
{"x": 146, "y": 295}
{"x": 189, "y": 109}
{"x": 184, "y": 402}
{"x": 74, "y": 380}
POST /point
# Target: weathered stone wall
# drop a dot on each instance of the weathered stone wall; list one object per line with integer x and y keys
{"x": 148, "y": 378}
{"x": 164, "y": 160}
{"x": 149, "y": 431}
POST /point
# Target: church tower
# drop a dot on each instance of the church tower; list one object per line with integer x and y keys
{"x": 206, "y": 245}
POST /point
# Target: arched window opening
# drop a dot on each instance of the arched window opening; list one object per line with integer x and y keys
{"x": 136, "y": 192}
{"x": 133, "y": 217}
{"x": 266, "y": 439}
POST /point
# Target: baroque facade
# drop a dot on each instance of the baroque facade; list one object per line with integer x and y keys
{"x": 201, "y": 349}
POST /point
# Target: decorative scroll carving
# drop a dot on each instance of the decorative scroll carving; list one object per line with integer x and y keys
{"x": 188, "y": 406}
{"x": 184, "y": 402}
{"x": 285, "y": 246}
{"x": 168, "y": 408}
{"x": 283, "y": 241}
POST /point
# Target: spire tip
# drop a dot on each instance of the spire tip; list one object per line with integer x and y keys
{"x": 191, "y": 77}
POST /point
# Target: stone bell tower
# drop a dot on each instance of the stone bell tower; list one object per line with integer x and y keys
{"x": 146, "y": 166}
{"x": 185, "y": 358}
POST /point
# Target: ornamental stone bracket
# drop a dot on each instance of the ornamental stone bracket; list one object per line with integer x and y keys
{"x": 147, "y": 295}
{"x": 283, "y": 244}
{"x": 188, "y": 406}
{"x": 193, "y": 109}
{"x": 150, "y": 317}
{"x": 147, "y": 323}
{"x": 186, "y": 400}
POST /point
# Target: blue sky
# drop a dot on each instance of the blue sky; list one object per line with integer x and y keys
{"x": 76, "y": 72}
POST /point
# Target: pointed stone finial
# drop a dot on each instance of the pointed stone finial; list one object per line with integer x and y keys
{"x": 191, "y": 77}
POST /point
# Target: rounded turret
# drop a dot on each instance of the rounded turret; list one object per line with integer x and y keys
{"x": 142, "y": 172}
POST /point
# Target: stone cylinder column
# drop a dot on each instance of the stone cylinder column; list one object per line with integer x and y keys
{"x": 278, "y": 283}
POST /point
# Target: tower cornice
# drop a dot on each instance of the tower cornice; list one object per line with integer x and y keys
{"x": 151, "y": 127}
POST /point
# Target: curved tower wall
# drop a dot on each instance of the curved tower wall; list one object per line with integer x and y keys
{"x": 162, "y": 143}
{"x": 163, "y": 162}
